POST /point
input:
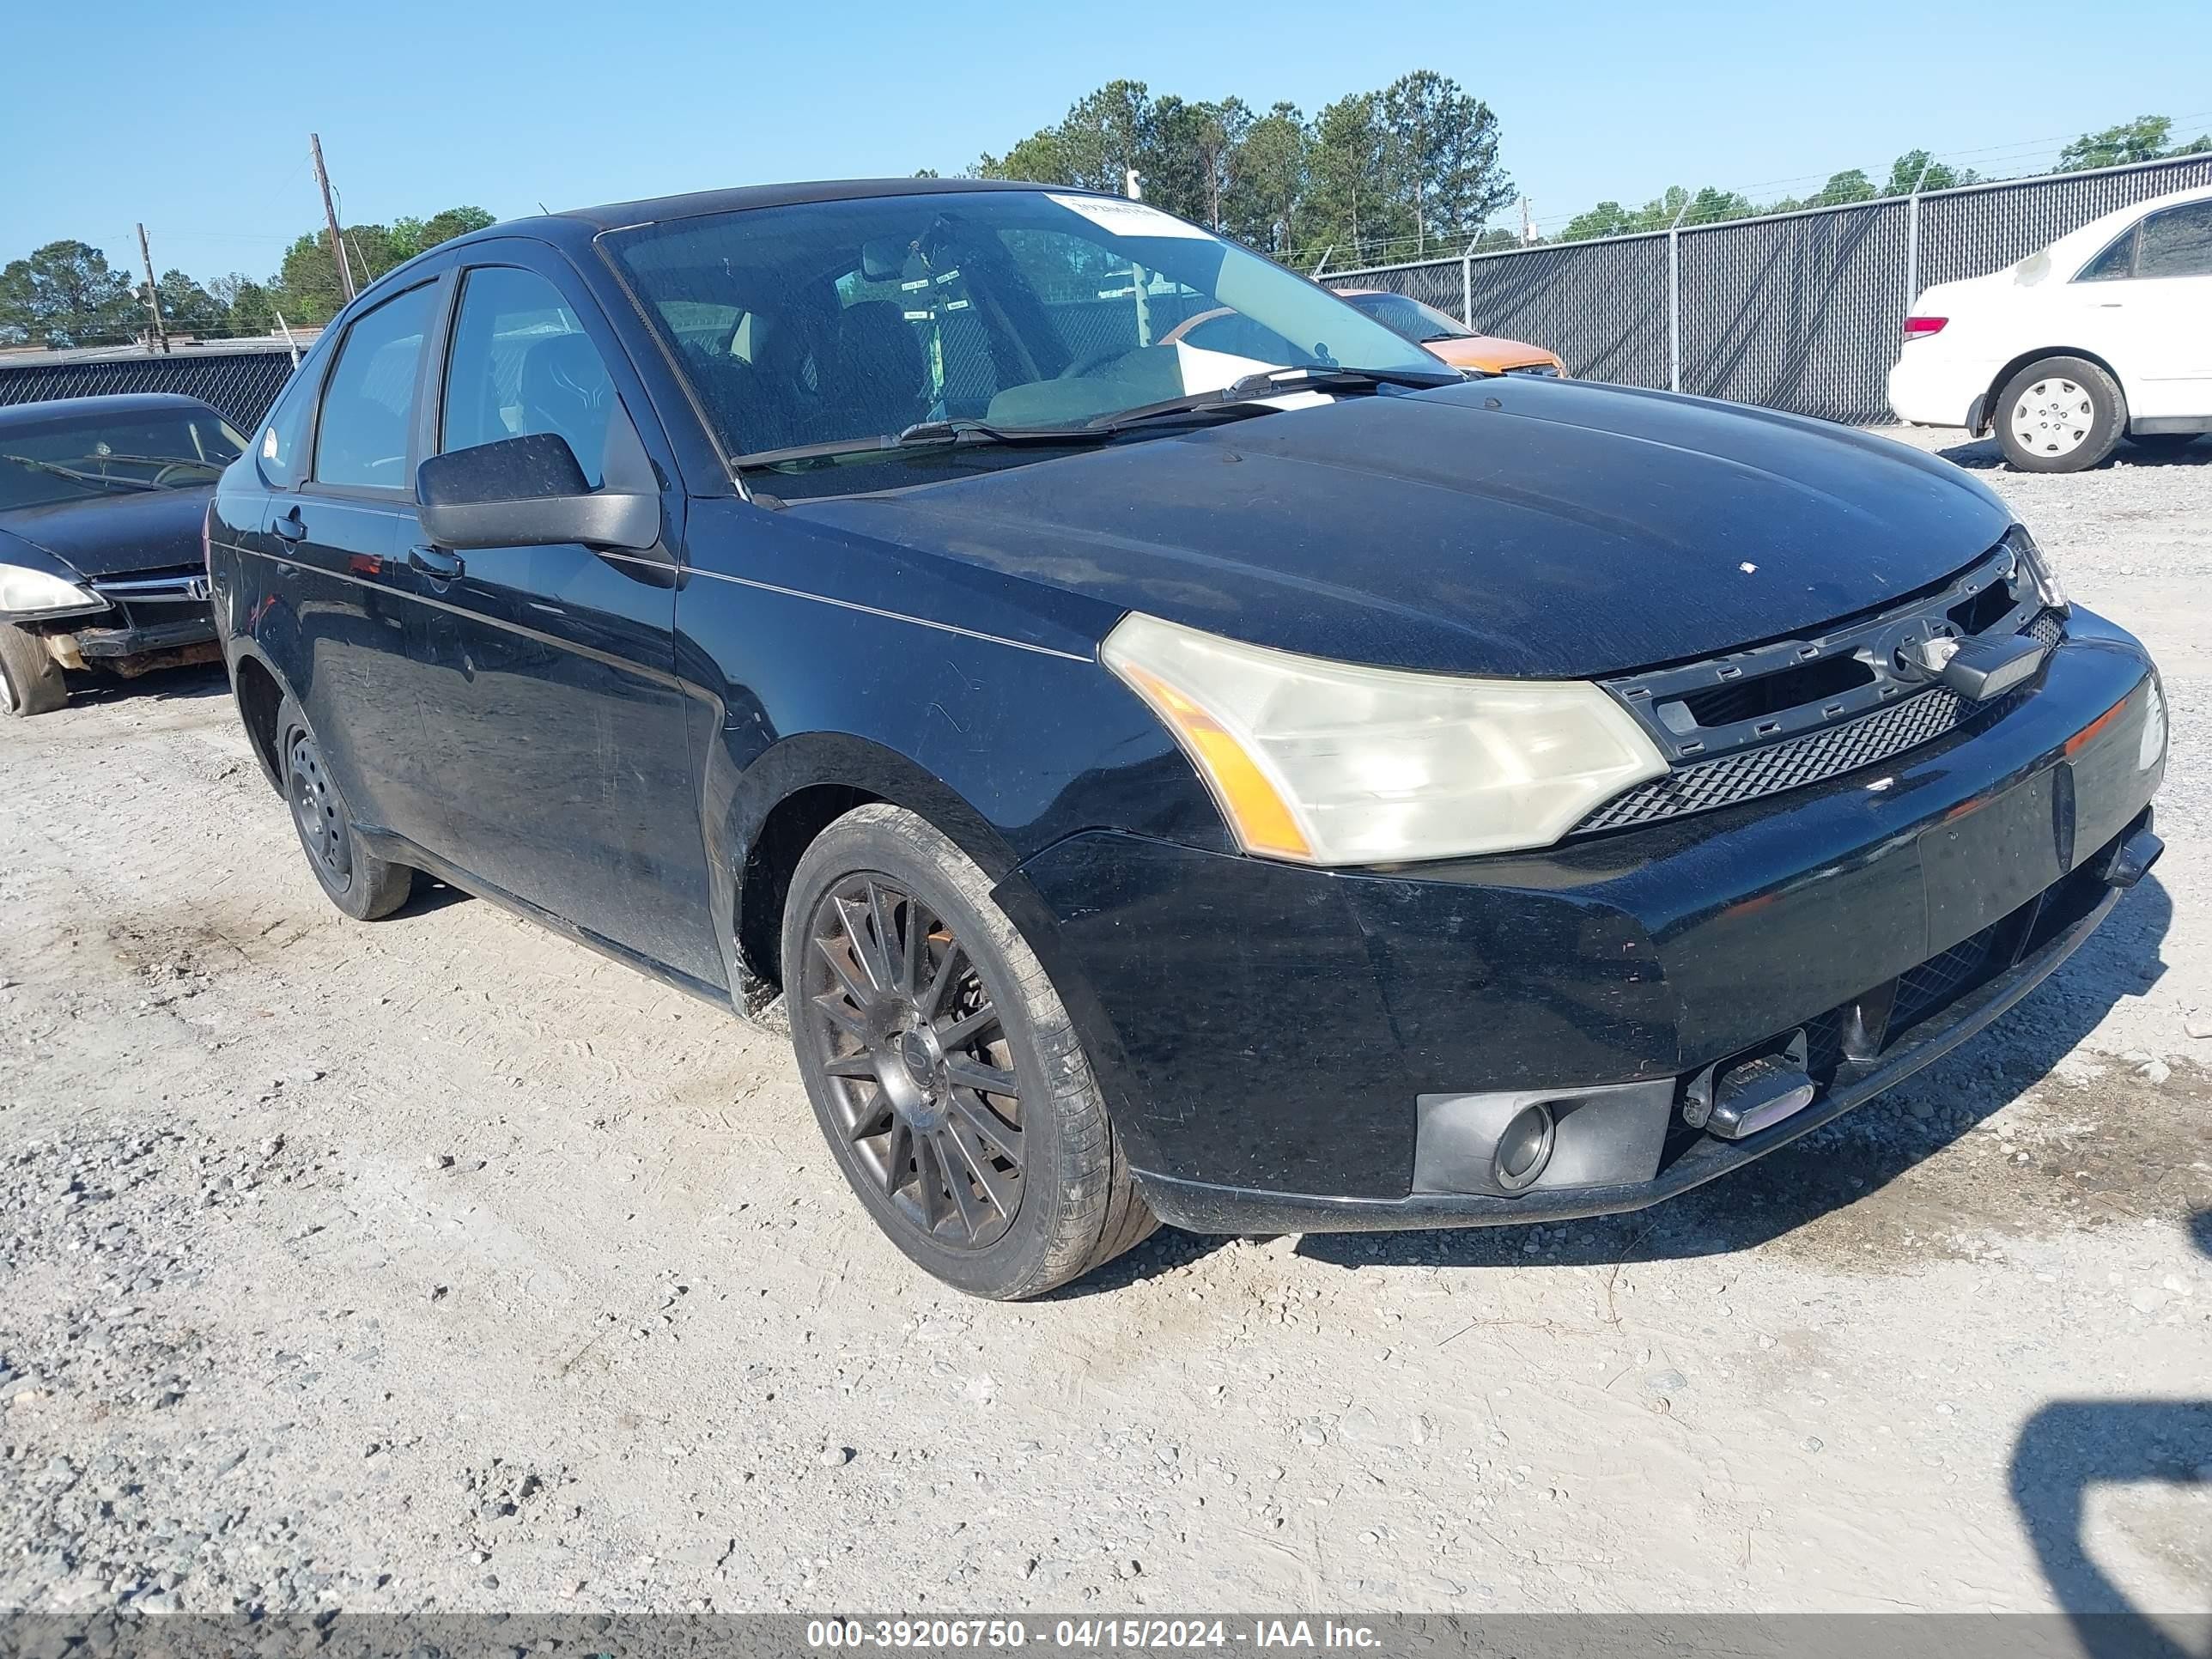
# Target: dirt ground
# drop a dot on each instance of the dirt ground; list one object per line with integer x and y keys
{"x": 438, "y": 1263}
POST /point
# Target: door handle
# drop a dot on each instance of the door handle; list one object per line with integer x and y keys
{"x": 432, "y": 562}
{"x": 291, "y": 527}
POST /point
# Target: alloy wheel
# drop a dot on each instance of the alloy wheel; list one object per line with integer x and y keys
{"x": 2053, "y": 417}
{"x": 914, "y": 1051}
{"x": 319, "y": 814}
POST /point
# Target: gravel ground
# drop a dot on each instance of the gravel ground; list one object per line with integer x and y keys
{"x": 439, "y": 1264}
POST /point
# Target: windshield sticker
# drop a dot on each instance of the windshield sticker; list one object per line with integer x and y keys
{"x": 1129, "y": 218}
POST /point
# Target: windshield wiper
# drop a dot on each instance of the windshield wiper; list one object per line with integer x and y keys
{"x": 1244, "y": 396}
{"x": 1275, "y": 383}
{"x": 923, "y": 434}
{"x": 78, "y": 473}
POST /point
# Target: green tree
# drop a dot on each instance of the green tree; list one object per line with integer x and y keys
{"x": 1841, "y": 188}
{"x": 1107, "y": 133}
{"x": 1712, "y": 205}
{"x": 1040, "y": 159}
{"x": 1606, "y": 219}
{"x": 1441, "y": 148}
{"x": 2142, "y": 139}
{"x": 1195, "y": 151}
{"x": 65, "y": 294}
{"x": 186, "y": 308}
{"x": 1352, "y": 203}
{"x": 410, "y": 237}
{"x": 1268, "y": 182}
{"x": 247, "y": 305}
{"x": 1937, "y": 175}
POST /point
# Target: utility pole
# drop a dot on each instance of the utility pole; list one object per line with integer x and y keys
{"x": 1528, "y": 225}
{"x": 153, "y": 298}
{"x": 331, "y": 217}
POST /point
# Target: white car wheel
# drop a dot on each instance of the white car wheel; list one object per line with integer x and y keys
{"x": 2053, "y": 417}
{"x": 2061, "y": 415}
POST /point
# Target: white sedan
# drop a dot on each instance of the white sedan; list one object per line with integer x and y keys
{"x": 2107, "y": 332}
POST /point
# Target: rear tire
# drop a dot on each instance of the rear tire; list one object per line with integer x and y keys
{"x": 2060, "y": 415}
{"x": 30, "y": 680}
{"x": 359, "y": 883}
{"x": 910, "y": 993}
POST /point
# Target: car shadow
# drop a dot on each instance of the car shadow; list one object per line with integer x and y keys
{"x": 1841, "y": 1162}
{"x": 2070, "y": 1445}
{"x": 195, "y": 682}
{"x": 1983, "y": 455}
{"x": 427, "y": 896}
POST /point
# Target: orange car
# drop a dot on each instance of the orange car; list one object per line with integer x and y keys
{"x": 1226, "y": 328}
{"x": 1455, "y": 342}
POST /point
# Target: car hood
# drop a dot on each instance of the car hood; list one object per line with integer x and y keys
{"x": 1520, "y": 527}
{"x": 109, "y": 535}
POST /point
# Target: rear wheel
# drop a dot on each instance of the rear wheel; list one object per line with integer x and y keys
{"x": 943, "y": 1068}
{"x": 2061, "y": 415}
{"x": 359, "y": 883}
{"x": 30, "y": 679}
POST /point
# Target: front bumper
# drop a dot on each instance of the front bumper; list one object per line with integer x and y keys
{"x": 1265, "y": 1034}
{"x": 132, "y": 650}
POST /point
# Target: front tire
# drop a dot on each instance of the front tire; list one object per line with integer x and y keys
{"x": 2061, "y": 415}
{"x": 30, "y": 679}
{"x": 944, "y": 1072}
{"x": 359, "y": 883}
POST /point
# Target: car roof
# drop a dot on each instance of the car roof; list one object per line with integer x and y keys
{"x": 589, "y": 221}
{"x": 2101, "y": 229}
{"x": 16, "y": 416}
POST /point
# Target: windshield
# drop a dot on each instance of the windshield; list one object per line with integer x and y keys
{"x": 828, "y": 322}
{"x": 72, "y": 457}
{"x": 1409, "y": 319}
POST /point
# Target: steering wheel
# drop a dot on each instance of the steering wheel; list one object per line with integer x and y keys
{"x": 161, "y": 477}
{"x": 1084, "y": 364}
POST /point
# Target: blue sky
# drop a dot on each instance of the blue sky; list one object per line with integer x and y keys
{"x": 198, "y": 122}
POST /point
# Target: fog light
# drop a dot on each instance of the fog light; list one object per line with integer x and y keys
{"x": 1524, "y": 1149}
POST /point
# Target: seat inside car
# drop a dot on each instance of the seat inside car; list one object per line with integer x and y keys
{"x": 876, "y": 382}
{"x": 563, "y": 388}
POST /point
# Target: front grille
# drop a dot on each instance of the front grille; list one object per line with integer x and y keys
{"x": 1545, "y": 369}
{"x": 1938, "y": 980}
{"x": 1786, "y": 765}
{"x": 1793, "y": 763}
{"x": 150, "y": 598}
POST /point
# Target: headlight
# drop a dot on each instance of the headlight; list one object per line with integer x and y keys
{"x": 2035, "y": 567}
{"x": 1330, "y": 762}
{"x": 25, "y": 592}
{"x": 2150, "y": 748}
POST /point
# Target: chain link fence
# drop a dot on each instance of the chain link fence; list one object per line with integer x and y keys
{"x": 1801, "y": 311}
{"x": 239, "y": 385}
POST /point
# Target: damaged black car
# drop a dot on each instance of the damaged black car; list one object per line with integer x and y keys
{"x": 102, "y": 501}
{"x": 1285, "y": 786}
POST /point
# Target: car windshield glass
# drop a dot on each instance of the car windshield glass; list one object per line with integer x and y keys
{"x": 71, "y": 458}
{"x": 1409, "y": 317}
{"x": 828, "y": 323}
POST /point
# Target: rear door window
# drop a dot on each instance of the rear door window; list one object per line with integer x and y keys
{"x": 2177, "y": 242}
{"x": 361, "y": 440}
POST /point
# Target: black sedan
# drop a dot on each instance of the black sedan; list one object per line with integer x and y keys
{"x": 102, "y": 501}
{"x": 1280, "y": 788}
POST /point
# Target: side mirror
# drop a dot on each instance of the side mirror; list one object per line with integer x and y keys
{"x": 527, "y": 492}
